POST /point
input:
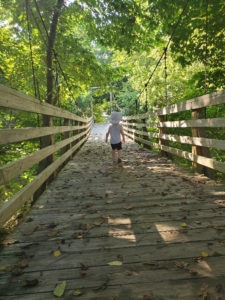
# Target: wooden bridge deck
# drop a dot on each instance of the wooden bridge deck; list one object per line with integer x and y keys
{"x": 163, "y": 227}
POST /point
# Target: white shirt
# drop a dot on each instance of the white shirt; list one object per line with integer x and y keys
{"x": 114, "y": 130}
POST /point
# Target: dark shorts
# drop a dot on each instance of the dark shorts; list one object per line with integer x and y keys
{"x": 117, "y": 146}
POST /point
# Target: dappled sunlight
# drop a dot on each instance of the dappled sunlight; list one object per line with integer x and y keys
{"x": 124, "y": 234}
{"x": 203, "y": 268}
{"x": 170, "y": 234}
{"x": 220, "y": 202}
{"x": 119, "y": 233}
{"x": 120, "y": 221}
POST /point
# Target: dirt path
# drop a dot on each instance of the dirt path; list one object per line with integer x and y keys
{"x": 143, "y": 230}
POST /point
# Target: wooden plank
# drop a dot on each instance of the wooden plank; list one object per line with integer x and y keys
{"x": 210, "y": 143}
{"x": 184, "y": 289}
{"x": 11, "y": 170}
{"x": 215, "y": 122}
{"x": 10, "y": 207}
{"x": 8, "y": 136}
{"x": 132, "y": 253}
{"x": 195, "y": 103}
{"x": 140, "y": 116}
{"x": 207, "y": 162}
{"x": 136, "y": 124}
{"x": 13, "y": 99}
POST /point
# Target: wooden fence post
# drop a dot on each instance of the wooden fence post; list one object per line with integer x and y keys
{"x": 162, "y": 141}
{"x": 200, "y": 150}
{"x": 146, "y": 137}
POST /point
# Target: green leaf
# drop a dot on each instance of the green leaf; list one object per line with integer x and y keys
{"x": 59, "y": 289}
{"x": 115, "y": 263}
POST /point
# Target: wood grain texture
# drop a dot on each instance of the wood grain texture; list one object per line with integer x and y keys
{"x": 15, "y": 203}
{"x": 13, "y": 99}
{"x": 11, "y": 170}
{"x": 207, "y": 162}
{"x": 195, "y": 103}
{"x": 8, "y": 136}
{"x": 147, "y": 213}
{"x": 211, "y": 143}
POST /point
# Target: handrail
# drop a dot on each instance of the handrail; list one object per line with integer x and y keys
{"x": 195, "y": 103}
{"x": 74, "y": 136}
{"x": 137, "y": 127}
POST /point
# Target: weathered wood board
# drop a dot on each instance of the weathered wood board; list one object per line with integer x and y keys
{"x": 163, "y": 225}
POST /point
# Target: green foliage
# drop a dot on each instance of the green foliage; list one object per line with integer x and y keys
{"x": 99, "y": 110}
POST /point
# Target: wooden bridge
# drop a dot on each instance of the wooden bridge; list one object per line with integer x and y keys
{"x": 144, "y": 230}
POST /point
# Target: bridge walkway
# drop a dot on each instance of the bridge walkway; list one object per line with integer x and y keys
{"x": 144, "y": 230}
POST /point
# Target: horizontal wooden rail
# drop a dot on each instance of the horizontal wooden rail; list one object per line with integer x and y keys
{"x": 195, "y": 103}
{"x": 203, "y": 142}
{"x": 215, "y": 122}
{"x": 13, "y": 99}
{"x": 201, "y": 145}
{"x": 72, "y": 137}
{"x": 208, "y": 162}
{"x": 8, "y": 136}
{"x": 26, "y": 194}
{"x": 11, "y": 170}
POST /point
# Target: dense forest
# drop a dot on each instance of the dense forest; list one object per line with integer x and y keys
{"x": 76, "y": 53}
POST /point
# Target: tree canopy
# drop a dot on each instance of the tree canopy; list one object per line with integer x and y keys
{"x": 98, "y": 43}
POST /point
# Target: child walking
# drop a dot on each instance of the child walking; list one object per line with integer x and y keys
{"x": 115, "y": 131}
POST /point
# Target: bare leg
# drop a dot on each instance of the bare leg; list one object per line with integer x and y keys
{"x": 120, "y": 153}
{"x": 114, "y": 155}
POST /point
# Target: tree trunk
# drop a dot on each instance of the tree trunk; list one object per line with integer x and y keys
{"x": 48, "y": 120}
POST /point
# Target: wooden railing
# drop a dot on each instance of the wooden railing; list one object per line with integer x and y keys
{"x": 200, "y": 143}
{"x": 76, "y": 132}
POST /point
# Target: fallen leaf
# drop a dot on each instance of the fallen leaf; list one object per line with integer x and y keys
{"x": 59, "y": 289}
{"x": 16, "y": 271}
{"x": 30, "y": 282}
{"x": 128, "y": 272}
{"x": 128, "y": 207}
{"x": 53, "y": 233}
{"x": 22, "y": 263}
{"x": 219, "y": 227}
{"x": 2, "y": 268}
{"x": 83, "y": 273}
{"x": 84, "y": 267}
{"x": 204, "y": 254}
{"x": 90, "y": 226}
{"x": 183, "y": 224}
{"x": 77, "y": 235}
{"x": 98, "y": 222}
{"x": 115, "y": 263}
{"x": 77, "y": 293}
{"x": 109, "y": 201}
{"x": 198, "y": 222}
{"x": 151, "y": 263}
{"x": 180, "y": 264}
{"x": 149, "y": 297}
{"x": 57, "y": 253}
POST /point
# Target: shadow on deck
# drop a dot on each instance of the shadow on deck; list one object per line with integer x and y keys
{"x": 162, "y": 227}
